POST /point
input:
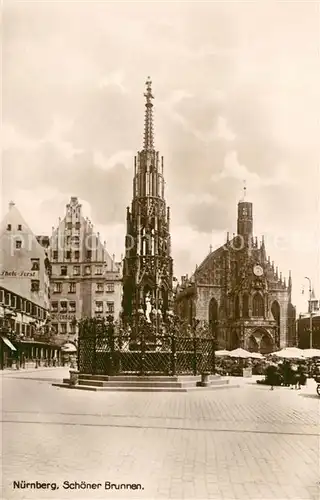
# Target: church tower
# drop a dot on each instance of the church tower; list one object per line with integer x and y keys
{"x": 245, "y": 219}
{"x": 147, "y": 269}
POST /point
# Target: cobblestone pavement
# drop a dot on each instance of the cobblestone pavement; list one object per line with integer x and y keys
{"x": 245, "y": 443}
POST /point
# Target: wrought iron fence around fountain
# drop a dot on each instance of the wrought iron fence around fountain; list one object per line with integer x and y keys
{"x": 104, "y": 351}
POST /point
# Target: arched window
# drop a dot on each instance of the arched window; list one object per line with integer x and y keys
{"x": 245, "y": 305}
{"x": 213, "y": 315}
{"x": 237, "y": 307}
{"x": 258, "y": 305}
{"x": 191, "y": 311}
{"x": 275, "y": 311}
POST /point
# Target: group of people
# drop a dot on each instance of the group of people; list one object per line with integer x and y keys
{"x": 286, "y": 373}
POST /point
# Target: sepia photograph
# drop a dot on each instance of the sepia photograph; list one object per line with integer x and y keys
{"x": 160, "y": 250}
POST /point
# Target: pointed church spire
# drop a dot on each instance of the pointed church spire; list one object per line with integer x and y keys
{"x": 263, "y": 250}
{"x": 244, "y": 189}
{"x": 148, "y": 122}
{"x": 290, "y": 281}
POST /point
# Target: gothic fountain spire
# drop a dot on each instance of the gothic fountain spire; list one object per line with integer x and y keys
{"x": 147, "y": 267}
{"x": 148, "y": 122}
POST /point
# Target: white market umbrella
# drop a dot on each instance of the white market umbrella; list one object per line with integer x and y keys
{"x": 69, "y": 348}
{"x": 311, "y": 353}
{"x": 222, "y": 352}
{"x": 240, "y": 353}
{"x": 256, "y": 355}
{"x": 289, "y": 353}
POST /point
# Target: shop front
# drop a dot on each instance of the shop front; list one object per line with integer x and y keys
{"x": 8, "y": 352}
{"x": 28, "y": 354}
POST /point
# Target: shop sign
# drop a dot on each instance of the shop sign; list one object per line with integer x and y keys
{"x": 19, "y": 274}
{"x": 62, "y": 317}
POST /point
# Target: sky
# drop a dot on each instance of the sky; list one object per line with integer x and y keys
{"x": 237, "y": 97}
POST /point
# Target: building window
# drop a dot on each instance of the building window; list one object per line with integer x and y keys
{"x": 76, "y": 270}
{"x": 54, "y": 306}
{"x": 7, "y": 298}
{"x": 35, "y": 264}
{"x": 63, "y": 306}
{"x": 28, "y": 307}
{"x": 13, "y": 301}
{"x": 72, "y": 327}
{"x": 89, "y": 255}
{"x": 72, "y": 307}
{"x": 88, "y": 270}
{"x": 63, "y": 328}
{"x": 110, "y": 287}
{"x": 9, "y": 227}
{"x": 99, "y": 270}
{"x": 54, "y": 327}
{"x": 72, "y": 288}
{"x": 110, "y": 307}
{"x": 100, "y": 288}
{"x": 63, "y": 270}
{"x": 18, "y": 244}
{"x": 69, "y": 225}
{"x": 75, "y": 241}
{"x": 68, "y": 254}
{"x": 55, "y": 255}
{"x": 35, "y": 285}
{"x": 57, "y": 287}
{"x": 76, "y": 255}
{"x": 99, "y": 307}
{"x": 257, "y": 305}
{"x": 18, "y": 326}
{"x": 1, "y": 296}
{"x": 18, "y": 303}
{"x": 19, "y": 227}
{"x": 77, "y": 225}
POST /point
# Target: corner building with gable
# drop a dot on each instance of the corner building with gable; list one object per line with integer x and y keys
{"x": 240, "y": 294}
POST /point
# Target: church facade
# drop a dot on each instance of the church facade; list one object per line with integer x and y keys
{"x": 147, "y": 266}
{"x": 239, "y": 292}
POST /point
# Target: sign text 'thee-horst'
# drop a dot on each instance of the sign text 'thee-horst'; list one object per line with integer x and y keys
{"x": 19, "y": 274}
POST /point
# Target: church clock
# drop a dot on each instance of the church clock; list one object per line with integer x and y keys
{"x": 257, "y": 270}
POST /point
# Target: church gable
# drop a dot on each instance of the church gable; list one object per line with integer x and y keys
{"x": 210, "y": 270}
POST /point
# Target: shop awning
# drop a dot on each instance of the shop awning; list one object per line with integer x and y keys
{"x": 8, "y": 343}
{"x": 68, "y": 348}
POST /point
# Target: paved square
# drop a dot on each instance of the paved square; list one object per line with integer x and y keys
{"x": 245, "y": 443}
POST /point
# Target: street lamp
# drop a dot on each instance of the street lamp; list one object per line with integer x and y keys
{"x": 310, "y": 307}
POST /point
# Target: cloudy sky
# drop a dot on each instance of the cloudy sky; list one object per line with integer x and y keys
{"x": 237, "y": 97}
